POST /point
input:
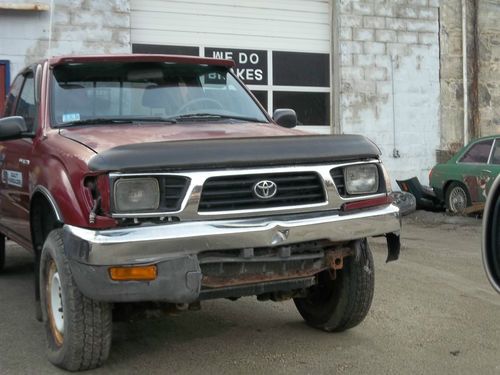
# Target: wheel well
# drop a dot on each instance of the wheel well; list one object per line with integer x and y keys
{"x": 43, "y": 220}
{"x": 446, "y": 186}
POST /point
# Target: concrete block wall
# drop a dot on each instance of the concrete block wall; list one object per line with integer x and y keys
{"x": 452, "y": 93}
{"x": 489, "y": 66}
{"x": 70, "y": 26}
{"x": 390, "y": 80}
{"x": 91, "y": 27}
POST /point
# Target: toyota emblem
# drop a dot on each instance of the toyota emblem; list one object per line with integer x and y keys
{"x": 265, "y": 189}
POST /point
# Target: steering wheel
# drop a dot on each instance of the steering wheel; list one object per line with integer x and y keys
{"x": 199, "y": 100}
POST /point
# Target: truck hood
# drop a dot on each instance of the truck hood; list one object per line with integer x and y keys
{"x": 102, "y": 138}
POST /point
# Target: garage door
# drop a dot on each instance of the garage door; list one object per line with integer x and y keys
{"x": 281, "y": 47}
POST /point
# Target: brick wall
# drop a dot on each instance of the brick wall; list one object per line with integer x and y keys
{"x": 390, "y": 80}
{"x": 91, "y": 27}
{"x": 78, "y": 26}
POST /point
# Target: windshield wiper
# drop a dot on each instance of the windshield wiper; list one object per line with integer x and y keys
{"x": 106, "y": 121}
{"x": 214, "y": 116}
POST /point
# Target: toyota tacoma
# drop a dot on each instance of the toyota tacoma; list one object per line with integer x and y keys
{"x": 160, "y": 181}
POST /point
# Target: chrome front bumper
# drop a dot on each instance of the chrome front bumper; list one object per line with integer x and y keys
{"x": 150, "y": 244}
{"x": 174, "y": 249}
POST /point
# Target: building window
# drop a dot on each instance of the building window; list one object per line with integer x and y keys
{"x": 278, "y": 79}
{"x": 312, "y": 108}
{"x": 301, "y": 69}
{"x": 261, "y": 96}
{"x": 165, "y": 50}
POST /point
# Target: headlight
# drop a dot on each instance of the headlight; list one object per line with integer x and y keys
{"x": 361, "y": 179}
{"x": 136, "y": 194}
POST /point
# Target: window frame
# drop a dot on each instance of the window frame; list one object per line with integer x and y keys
{"x": 36, "y": 87}
{"x": 460, "y": 159}
{"x": 53, "y": 81}
{"x": 492, "y": 152}
{"x": 14, "y": 104}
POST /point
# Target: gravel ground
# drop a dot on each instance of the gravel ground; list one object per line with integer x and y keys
{"x": 433, "y": 312}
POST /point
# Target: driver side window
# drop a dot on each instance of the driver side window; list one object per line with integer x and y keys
{"x": 26, "y": 106}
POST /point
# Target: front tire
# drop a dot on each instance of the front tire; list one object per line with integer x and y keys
{"x": 457, "y": 198}
{"x": 78, "y": 329}
{"x": 343, "y": 303}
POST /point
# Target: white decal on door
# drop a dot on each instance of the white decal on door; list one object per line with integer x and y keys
{"x": 13, "y": 178}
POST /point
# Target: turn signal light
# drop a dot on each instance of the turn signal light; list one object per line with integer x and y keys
{"x": 133, "y": 273}
{"x": 367, "y": 203}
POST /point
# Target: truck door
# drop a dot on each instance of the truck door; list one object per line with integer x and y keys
{"x": 15, "y": 158}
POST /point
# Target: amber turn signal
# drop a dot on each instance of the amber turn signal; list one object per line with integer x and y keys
{"x": 133, "y": 273}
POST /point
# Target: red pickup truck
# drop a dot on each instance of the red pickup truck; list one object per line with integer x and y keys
{"x": 159, "y": 181}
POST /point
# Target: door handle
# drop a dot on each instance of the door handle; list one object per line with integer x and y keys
{"x": 486, "y": 171}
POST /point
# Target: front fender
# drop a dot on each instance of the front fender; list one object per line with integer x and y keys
{"x": 59, "y": 167}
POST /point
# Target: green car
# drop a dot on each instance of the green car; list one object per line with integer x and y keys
{"x": 467, "y": 177}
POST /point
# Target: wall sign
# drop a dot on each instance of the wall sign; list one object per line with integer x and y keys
{"x": 251, "y": 65}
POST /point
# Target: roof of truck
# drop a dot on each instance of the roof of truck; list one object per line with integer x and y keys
{"x": 57, "y": 60}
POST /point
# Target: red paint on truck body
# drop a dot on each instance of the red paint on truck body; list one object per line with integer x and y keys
{"x": 59, "y": 157}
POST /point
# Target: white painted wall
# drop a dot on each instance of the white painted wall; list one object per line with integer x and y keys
{"x": 396, "y": 105}
{"x": 21, "y": 36}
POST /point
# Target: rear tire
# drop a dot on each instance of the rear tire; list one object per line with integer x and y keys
{"x": 457, "y": 198}
{"x": 78, "y": 329}
{"x": 343, "y": 303}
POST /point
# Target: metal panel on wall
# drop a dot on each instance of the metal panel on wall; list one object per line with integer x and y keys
{"x": 291, "y": 25}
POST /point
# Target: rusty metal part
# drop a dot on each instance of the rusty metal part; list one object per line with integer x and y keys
{"x": 222, "y": 282}
{"x": 333, "y": 261}
{"x": 475, "y": 208}
{"x": 56, "y": 334}
{"x": 335, "y": 258}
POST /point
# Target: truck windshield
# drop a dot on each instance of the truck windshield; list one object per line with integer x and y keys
{"x": 90, "y": 93}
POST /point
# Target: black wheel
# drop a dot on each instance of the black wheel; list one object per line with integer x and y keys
{"x": 457, "y": 198}
{"x": 78, "y": 329}
{"x": 342, "y": 303}
{"x": 2, "y": 252}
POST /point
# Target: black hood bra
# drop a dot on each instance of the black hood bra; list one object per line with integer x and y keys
{"x": 234, "y": 152}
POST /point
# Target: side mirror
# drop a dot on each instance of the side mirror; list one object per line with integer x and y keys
{"x": 12, "y": 127}
{"x": 285, "y": 117}
{"x": 491, "y": 235}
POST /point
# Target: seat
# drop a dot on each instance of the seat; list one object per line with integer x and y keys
{"x": 72, "y": 99}
{"x": 160, "y": 99}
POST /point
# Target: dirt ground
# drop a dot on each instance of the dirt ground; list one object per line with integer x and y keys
{"x": 433, "y": 312}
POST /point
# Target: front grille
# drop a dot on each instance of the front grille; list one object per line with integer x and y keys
{"x": 236, "y": 192}
{"x": 173, "y": 189}
{"x": 339, "y": 180}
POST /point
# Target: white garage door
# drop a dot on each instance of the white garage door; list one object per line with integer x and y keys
{"x": 281, "y": 47}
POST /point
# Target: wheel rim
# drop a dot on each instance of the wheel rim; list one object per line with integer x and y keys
{"x": 55, "y": 304}
{"x": 458, "y": 199}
